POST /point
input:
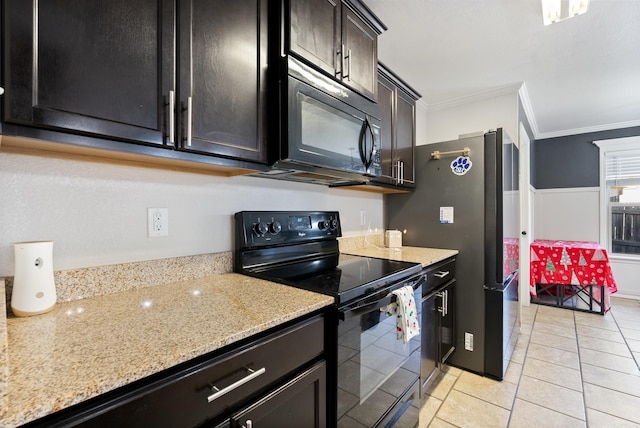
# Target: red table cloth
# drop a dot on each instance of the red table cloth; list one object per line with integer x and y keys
{"x": 573, "y": 263}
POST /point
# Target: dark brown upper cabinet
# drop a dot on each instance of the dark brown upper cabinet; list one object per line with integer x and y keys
{"x": 223, "y": 77}
{"x": 338, "y": 37}
{"x": 397, "y": 101}
{"x": 185, "y": 75}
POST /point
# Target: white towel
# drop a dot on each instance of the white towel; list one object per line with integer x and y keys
{"x": 406, "y": 313}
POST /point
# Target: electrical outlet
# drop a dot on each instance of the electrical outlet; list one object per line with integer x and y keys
{"x": 363, "y": 218}
{"x": 158, "y": 222}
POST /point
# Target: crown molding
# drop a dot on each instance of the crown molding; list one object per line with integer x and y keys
{"x": 586, "y": 130}
{"x": 523, "y": 94}
{"x": 475, "y": 97}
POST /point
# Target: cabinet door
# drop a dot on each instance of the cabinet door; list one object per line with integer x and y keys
{"x": 360, "y": 43}
{"x": 222, "y": 80}
{"x": 429, "y": 336}
{"x": 447, "y": 323}
{"x": 90, "y": 66}
{"x": 315, "y": 32}
{"x": 386, "y": 102}
{"x": 405, "y": 136}
{"x": 301, "y": 402}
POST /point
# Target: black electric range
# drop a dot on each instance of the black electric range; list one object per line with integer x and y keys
{"x": 366, "y": 363}
{"x": 301, "y": 249}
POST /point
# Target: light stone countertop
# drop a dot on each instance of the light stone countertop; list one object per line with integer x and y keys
{"x": 86, "y": 347}
{"x": 426, "y": 256}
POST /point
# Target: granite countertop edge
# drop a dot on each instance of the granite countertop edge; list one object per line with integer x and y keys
{"x": 87, "y": 347}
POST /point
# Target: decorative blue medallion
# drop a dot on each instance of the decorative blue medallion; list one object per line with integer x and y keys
{"x": 461, "y": 165}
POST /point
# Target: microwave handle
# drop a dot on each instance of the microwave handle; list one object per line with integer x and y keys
{"x": 367, "y": 158}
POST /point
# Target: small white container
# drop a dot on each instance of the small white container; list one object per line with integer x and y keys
{"x": 34, "y": 290}
{"x": 393, "y": 239}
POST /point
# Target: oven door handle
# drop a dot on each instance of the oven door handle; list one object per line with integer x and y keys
{"x": 365, "y": 308}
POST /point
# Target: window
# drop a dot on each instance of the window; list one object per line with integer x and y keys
{"x": 620, "y": 188}
{"x": 623, "y": 186}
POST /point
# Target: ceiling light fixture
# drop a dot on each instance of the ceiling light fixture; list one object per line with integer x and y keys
{"x": 552, "y": 10}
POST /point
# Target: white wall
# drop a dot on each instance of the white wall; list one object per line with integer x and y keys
{"x": 626, "y": 272}
{"x": 96, "y": 213}
{"x": 445, "y": 124}
{"x": 574, "y": 215}
{"x": 567, "y": 214}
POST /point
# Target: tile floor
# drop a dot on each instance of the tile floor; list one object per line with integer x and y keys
{"x": 569, "y": 369}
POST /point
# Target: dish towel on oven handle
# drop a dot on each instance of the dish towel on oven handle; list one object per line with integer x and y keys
{"x": 406, "y": 313}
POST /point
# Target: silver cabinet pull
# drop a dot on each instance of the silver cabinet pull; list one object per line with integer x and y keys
{"x": 189, "y": 117}
{"x": 342, "y": 70}
{"x": 172, "y": 117}
{"x": 445, "y": 305}
{"x": 348, "y": 76}
{"x": 441, "y": 308}
{"x": 401, "y": 172}
{"x": 249, "y": 424}
{"x": 444, "y": 309}
{"x": 441, "y": 274}
{"x": 220, "y": 392}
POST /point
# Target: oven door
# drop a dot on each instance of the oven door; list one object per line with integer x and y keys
{"x": 377, "y": 373}
{"x": 326, "y": 132}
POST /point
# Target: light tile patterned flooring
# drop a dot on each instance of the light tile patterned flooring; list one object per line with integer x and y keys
{"x": 569, "y": 369}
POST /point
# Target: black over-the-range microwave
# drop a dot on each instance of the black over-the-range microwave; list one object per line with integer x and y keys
{"x": 325, "y": 133}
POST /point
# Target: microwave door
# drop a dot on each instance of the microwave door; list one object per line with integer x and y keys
{"x": 324, "y": 131}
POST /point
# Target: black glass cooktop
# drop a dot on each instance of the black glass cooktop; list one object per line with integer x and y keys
{"x": 343, "y": 276}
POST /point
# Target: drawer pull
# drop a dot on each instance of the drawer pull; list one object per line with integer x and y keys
{"x": 220, "y": 392}
{"x": 441, "y": 274}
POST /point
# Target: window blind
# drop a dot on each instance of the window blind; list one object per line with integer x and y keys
{"x": 623, "y": 168}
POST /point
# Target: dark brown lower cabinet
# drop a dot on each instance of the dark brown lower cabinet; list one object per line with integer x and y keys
{"x": 298, "y": 403}
{"x": 438, "y": 319}
{"x": 275, "y": 380}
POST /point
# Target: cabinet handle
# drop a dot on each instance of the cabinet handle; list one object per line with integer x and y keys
{"x": 345, "y": 55}
{"x": 446, "y": 303}
{"x": 189, "y": 116}
{"x": 249, "y": 424}
{"x": 401, "y": 175}
{"x": 441, "y": 274}
{"x": 342, "y": 61}
{"x": 441, "y": 309}
{"x": 220, "y": 392}
{"x": 444, "y": 309}
{"x": 1, "y": 90}
{"x": 172, "y": 117}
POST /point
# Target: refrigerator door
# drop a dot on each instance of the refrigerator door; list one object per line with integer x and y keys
{"x": 501, "y": 318}
{"x": 501, "y": 241}
{"x": 438, "y": 190}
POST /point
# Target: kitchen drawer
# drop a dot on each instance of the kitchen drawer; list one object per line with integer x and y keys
{"x": 184, "y": 399}
{"x": 438, "y": 274}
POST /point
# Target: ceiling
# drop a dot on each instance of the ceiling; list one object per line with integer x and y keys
{"x": 580, "y": 75}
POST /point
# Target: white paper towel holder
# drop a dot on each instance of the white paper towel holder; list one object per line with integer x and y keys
{"x": 34, "y": 289}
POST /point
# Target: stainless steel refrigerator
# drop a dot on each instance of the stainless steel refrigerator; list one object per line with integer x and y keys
{"x": 471, "y": 204}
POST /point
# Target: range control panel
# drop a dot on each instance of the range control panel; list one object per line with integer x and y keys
{"x": 264, "y": 228}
